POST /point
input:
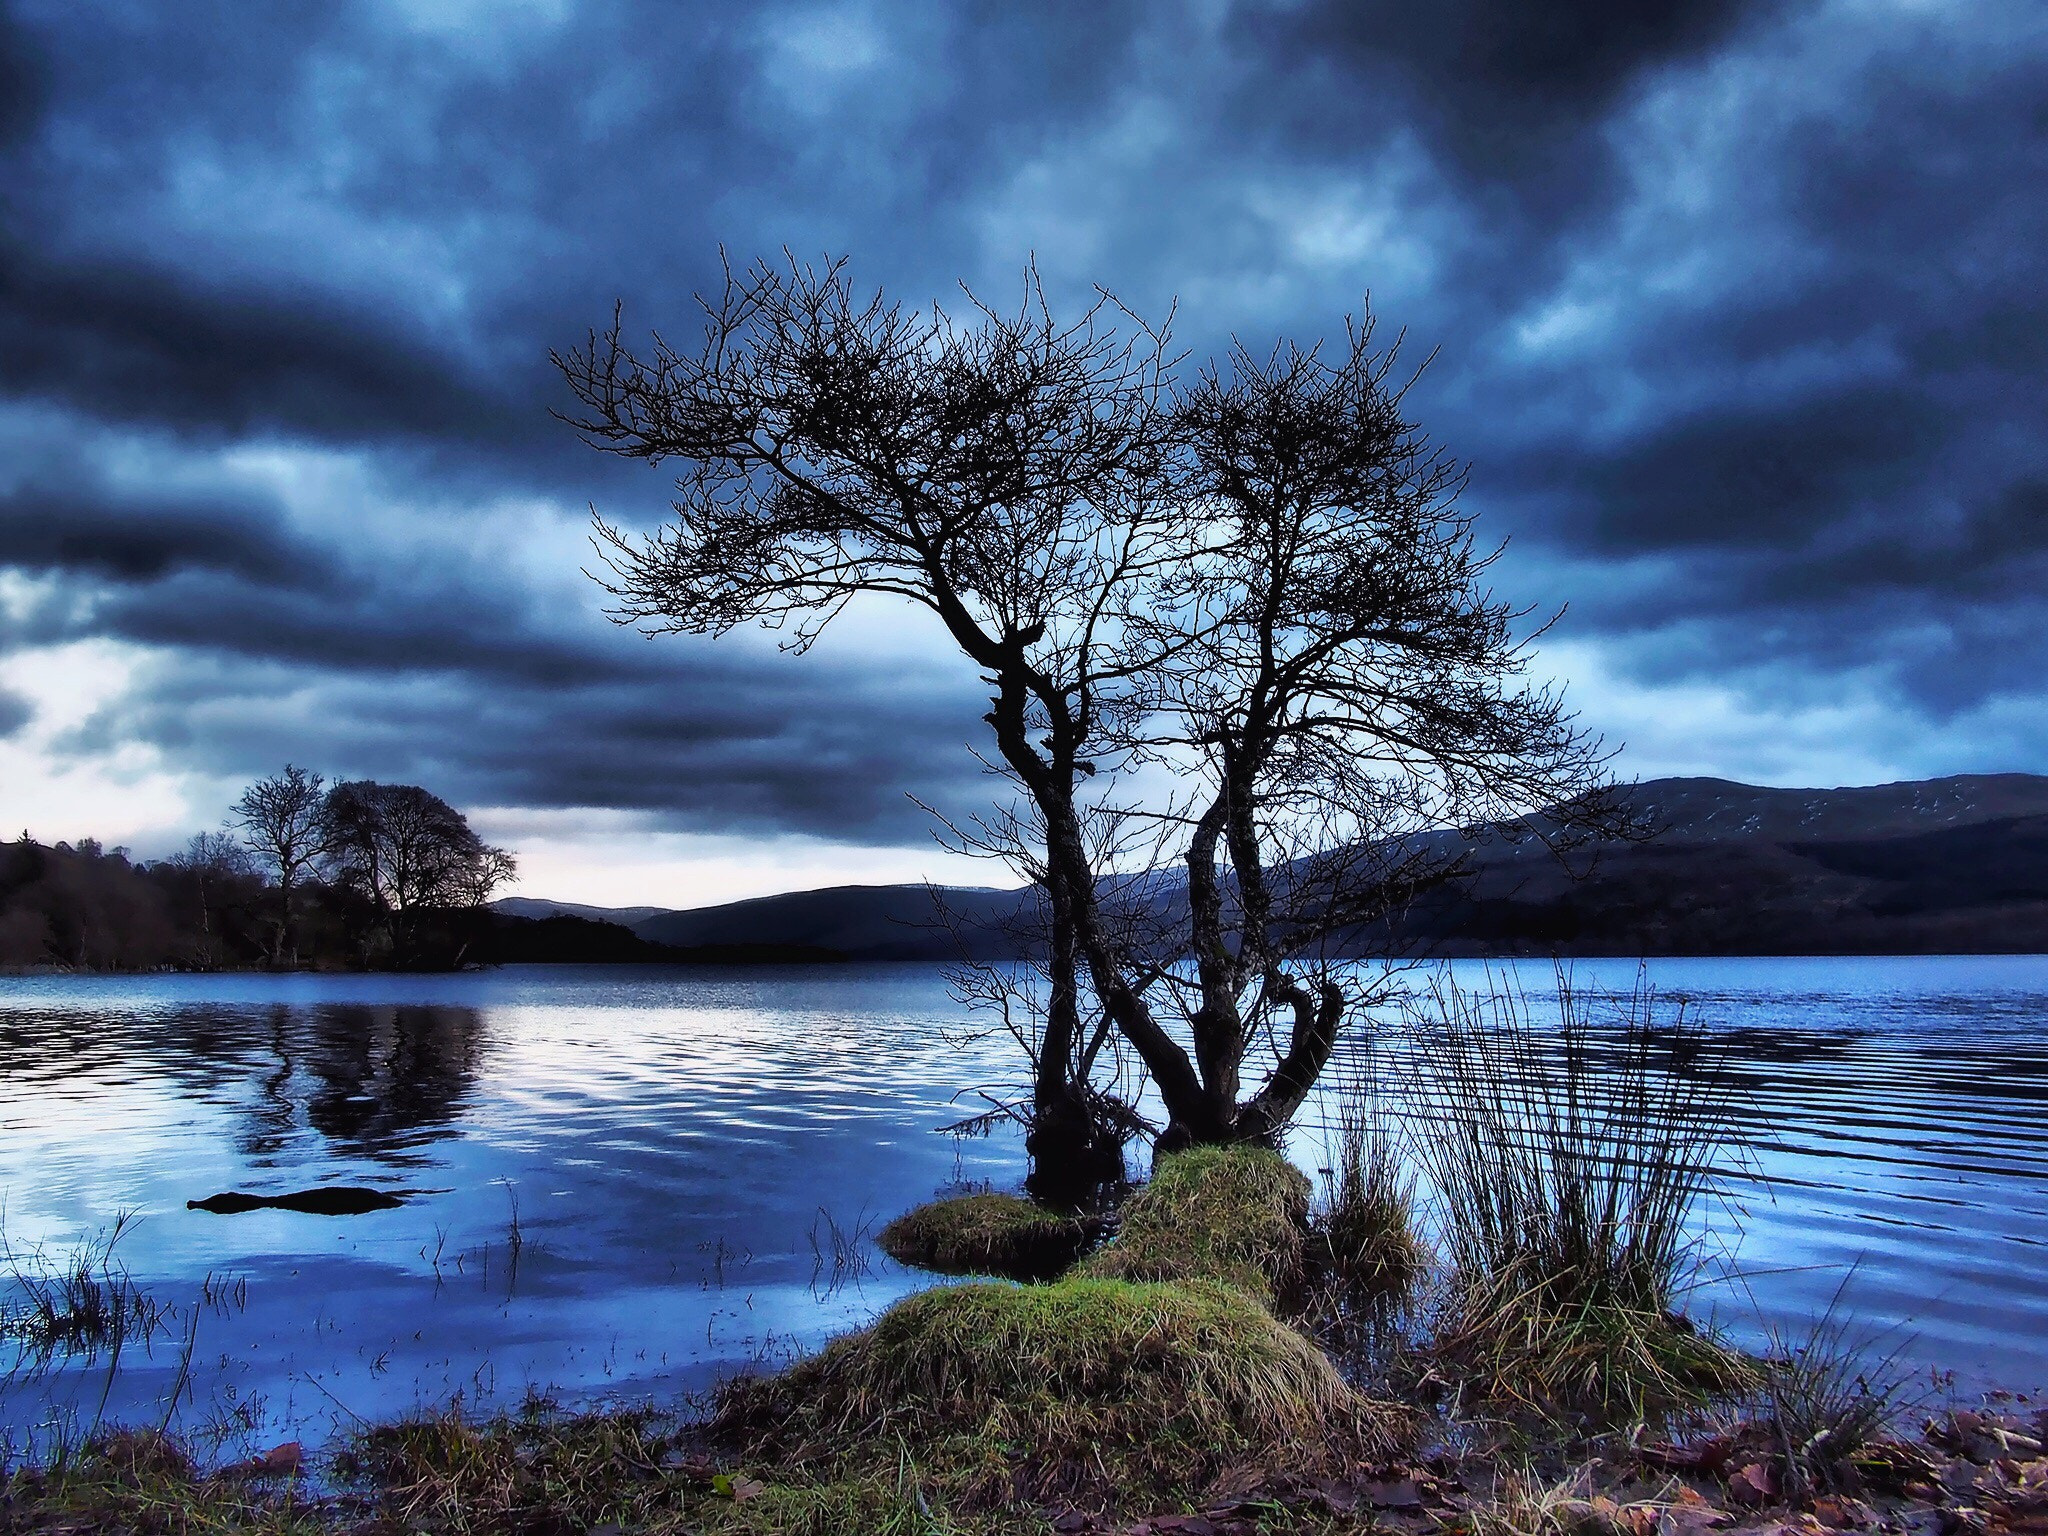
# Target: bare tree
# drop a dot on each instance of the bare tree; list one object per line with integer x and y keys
{"x": 1259, "y": 587}
{"x": 281, "y": 820}
{"x": 1348, "y": 695}
{"x": 1003, "y": 473}
{"x": 222, "y": 872}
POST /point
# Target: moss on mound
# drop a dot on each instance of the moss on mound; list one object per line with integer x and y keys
{"x": 1235, "y": 1214}
{"x": 988, "y": 1235}
{"x": 1083, "y": 1383}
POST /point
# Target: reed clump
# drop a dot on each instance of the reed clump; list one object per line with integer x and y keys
{"x": 989, "y": 1234}
{"x": 73, "y": 1306}
{"x": 1368, "y": 1228}
{"x": 1234, "y": 1214}
{"x": 1826, "y": 1399}
{"x": 1569, "y": 1162}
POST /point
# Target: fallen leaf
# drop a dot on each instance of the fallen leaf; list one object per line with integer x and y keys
{"x": 285, "y": 1458}
{"x": 1692, "y": 1519}
{"x": 1845, "y": 1513}
{"x": 1753, "y": 1484}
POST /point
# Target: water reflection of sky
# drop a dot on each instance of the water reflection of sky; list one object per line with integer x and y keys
{"x": 669, "y": 1138}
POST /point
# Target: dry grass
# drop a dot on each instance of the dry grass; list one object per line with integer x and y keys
{"x": 143, "y": 1483}
{"x": 1234, "y": 1214}
{"x": 989, "y": 1235}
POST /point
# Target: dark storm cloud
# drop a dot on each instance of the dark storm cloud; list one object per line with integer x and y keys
{"x": 354, "y": 232}
{"x": 1863, "y": 465}
{"x": 274, "y": 642}
{"x": 124, "y": 338}
{"x": 21, "y": 82}
{"x": 80, "y": 529}
{"x": 1508, "y": 90}
{"x": 720, "y": 746}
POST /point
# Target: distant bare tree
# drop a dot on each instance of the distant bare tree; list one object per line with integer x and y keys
{"x": 407, "y": 852}
{"x": 281, "y": 820}
{"x": 222, "y": 873}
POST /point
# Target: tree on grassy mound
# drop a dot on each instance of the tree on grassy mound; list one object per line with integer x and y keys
{"x": 989, "y": 1235}
{"x": 1231, "y": 621}
{"x": 1234, "y": 1214}
{"x": 1083, "y": 1387}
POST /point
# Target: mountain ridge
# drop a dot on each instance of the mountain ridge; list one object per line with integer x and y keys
{"x": 1956, "y": 863}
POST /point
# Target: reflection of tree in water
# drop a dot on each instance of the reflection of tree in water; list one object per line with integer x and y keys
{"x": 375, "y": 1081}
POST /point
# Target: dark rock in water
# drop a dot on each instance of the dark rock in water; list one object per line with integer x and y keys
{"x": 334, "y": 1200}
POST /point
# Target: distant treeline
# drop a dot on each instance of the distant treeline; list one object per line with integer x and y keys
{"x": 354, "y": 875}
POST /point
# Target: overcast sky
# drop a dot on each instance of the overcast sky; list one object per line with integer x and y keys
{"x": 1739, "y": 310}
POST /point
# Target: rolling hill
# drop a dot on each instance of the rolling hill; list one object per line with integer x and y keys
{"x": 1954, "y": 865}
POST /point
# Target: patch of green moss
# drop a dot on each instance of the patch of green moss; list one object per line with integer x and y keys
{"x": 1234, "y": 1214}
{"x": 988, "y": 1235}
{"x": 1059, "y": 1389}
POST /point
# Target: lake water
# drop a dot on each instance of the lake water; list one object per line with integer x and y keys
{"x": 697, "y": 1158}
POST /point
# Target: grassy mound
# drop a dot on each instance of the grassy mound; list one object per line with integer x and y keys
{"x": 988, "y": 1235}
{"x": 1235, "y": 1214}
{"x": 1082, "y": 1385}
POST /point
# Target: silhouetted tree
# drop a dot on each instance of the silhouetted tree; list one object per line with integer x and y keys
{"x": 82, "y": 907}
{"x": 406, "y": 852}
{"x": 1259, "y": 584}
{"x": 1343, "y": 689}
{"x": 1000, "y": 473}
{"x": 221, "y": 881}
{"x": 281, "y": 820}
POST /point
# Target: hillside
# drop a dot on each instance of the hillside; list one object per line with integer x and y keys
{"x": 862, "y": 922}
{"x": 1938, "y": 865}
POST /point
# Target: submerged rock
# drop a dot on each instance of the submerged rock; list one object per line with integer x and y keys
{"x": 331, "y": 1200}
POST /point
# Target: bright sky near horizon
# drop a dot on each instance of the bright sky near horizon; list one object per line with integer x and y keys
{"x": 1741, "y": 312}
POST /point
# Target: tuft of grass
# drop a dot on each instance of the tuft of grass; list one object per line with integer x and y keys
{"x": 1826, "y": 1397}
{"x": 1084, "y": 1387}
{"x": 1569, "y": 1162}
{"x": 537, "y": 1471}
{"x": 1367, "y": 1224}
{"x": 143, "y": 1482}
{"x": 1234, "y": 1214}
{"x": 75, "y": 1305}
{"x": 988, "y": 1234}
{"x": 1520, "y": 1503}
